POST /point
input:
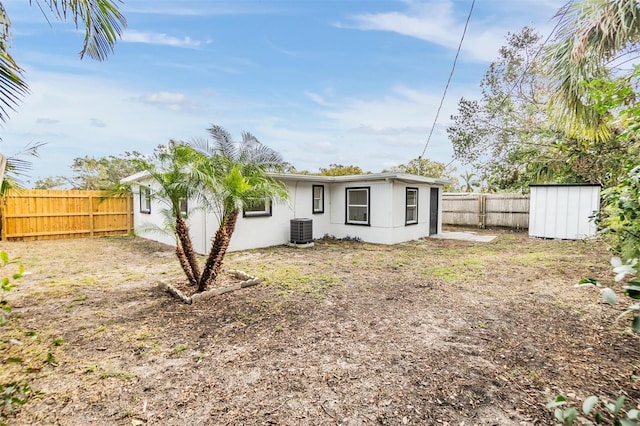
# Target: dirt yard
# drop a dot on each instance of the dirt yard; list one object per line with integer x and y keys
{"x": 428, "y": 332}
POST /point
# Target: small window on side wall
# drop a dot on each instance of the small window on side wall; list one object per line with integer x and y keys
{"x": 145, "y": 199}
{"x": 411, "y": 205}
{"x": 257, "y": 208}
{"x": 357, "y": 206}
{"x": 318, "y": 199}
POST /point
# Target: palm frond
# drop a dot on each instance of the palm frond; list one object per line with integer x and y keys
{"x": 102, "y": 21}
{"x": 590, "y": 33}
{"x": 12, "y": 86}
{"x": 224, "y": 143}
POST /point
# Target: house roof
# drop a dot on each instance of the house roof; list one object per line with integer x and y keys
{"x": 136, "y": 177}
{"x": 402, "y": 177}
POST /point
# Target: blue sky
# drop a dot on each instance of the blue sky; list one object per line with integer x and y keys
{"x": 321, "y": 81}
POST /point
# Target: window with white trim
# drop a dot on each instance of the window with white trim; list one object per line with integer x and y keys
{"x": 357, "y": 206}
{"x": 145, "y": 199}
{"x": 411, "y": 206}
{"x": 318, "y": 199}
{"x": 257, "y": 208}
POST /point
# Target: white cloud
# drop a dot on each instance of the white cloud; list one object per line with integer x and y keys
{"x": 436, "y": 22}
{"x": 168, "y": 100}
{"x": 132, "y": 36}
{"x": 317, "y": 98}
{"x": 371, "y": 132}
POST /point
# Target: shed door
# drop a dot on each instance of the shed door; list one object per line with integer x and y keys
{"x": 433, "y": 212}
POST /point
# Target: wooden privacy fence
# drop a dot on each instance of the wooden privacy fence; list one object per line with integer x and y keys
{"x": 482, "y": 210}
{"x": 53, "y": 214}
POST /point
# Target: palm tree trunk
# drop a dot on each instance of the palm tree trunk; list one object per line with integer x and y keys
{"x": 185, "y": 265}
{"x": 219, "y": 247}
{"x": 190, "y": 265}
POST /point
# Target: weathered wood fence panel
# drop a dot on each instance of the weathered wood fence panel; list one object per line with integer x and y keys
{"x": 482, "y": 210}
{"x": 54, "y": 214}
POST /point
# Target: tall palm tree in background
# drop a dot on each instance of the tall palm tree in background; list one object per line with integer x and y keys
{"x": 591, "y": 35}
{"x": 102, "y": 23}
{"x": 469, "y": 183}
{"x": 237, "y": 176}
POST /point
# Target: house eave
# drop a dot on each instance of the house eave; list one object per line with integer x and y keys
{"x": 401, "y": 177}
{"x": 136, "y": 177}
{"x": 369, "y": 177}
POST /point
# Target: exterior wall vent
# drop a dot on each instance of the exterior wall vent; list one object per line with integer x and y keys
{"x": 301, "y": 231}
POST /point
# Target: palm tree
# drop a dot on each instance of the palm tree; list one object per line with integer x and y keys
{"x": 173, "y": 172}
{"x": 469, "y": 181}
{"x": 591, "y": 33}
{"x": 14, "y": 167}
{"x": 237, "y": 176}
{"x": 103, "y": 24}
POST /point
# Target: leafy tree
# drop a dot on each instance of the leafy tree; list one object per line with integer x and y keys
{"x": 50, "y": 182}
{"x": 220, "y": 175}
{"x": 425, "y": 167}
{"x": 587, "y": 102}
{"x": 591, "y": 35}
{"x": 509, "y": 135}
{"x": 340, "y": 170}
{"x": 93, "y": 174}
{"x": 505, "y": 135}
{"x": 101, "y": 173}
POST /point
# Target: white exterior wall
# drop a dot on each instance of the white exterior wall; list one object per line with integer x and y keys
{"x": 386, "y": 211}
{"x": 143, "y": 223}
{"x": 379, "y": 230}
{"x": 403, "y": 232}
{"x": 562, "y": 211}
{"x": 301, "y": 197}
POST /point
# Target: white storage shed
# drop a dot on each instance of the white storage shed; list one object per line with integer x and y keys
{"x": 563, "y": 211}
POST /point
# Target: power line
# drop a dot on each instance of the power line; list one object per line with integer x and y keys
{"x": 565, "y": 10}
{"x": 453, "y": 68}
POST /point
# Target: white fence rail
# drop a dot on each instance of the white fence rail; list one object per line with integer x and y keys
{"x": 483, "y": 210}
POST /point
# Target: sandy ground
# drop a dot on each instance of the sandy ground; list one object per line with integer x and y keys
{"x": 428, "y": 332}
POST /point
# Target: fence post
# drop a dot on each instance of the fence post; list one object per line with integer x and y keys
{"x": 3, "y": 224}
{"x": 91, "y": 222}
{"x": 482, "y": 211}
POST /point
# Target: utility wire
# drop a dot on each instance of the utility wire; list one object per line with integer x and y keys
{"x": 453, "y": 68}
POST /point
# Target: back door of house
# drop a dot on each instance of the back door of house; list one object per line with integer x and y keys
{"x": 433, "y": 212}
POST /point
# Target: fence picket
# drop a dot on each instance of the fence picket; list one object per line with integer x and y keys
{"x": 482, "y": 210}
{"x": 52, "y": 214}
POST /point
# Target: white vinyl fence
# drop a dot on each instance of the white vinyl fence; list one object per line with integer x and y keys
{"x": 485, "y": 210}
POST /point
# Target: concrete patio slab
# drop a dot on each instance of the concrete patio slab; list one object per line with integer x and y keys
{"x": 464, "y": 236}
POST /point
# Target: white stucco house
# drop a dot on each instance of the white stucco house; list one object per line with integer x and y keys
{"x": 383, "y": 208}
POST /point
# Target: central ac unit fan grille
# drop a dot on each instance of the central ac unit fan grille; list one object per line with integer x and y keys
{"x": 301, "y": 231}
